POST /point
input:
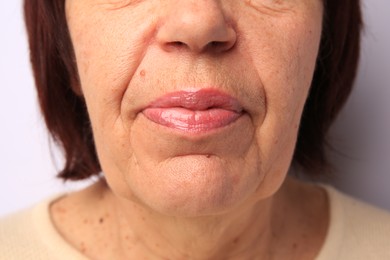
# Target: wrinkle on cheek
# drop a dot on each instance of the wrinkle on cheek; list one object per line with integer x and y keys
{"x": 271, "y": 7}
{"x": 118, "y": 4}
{"x": 109, "y": 72}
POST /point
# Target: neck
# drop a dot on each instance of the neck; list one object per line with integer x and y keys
{"x": 110, "y": 227}
{"x": 225, "y": 236}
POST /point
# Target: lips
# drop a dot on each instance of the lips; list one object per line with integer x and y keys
{"x": 194, "y": 111}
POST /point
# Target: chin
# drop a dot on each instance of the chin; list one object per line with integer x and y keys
{"x": 194, "y": 186}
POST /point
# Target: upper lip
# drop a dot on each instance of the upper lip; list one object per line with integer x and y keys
{"x": 198, "y": 100}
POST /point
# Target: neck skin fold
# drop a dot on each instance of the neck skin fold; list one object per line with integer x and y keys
{"x": 292, "y": 224}
{"x": 247, "y": 232}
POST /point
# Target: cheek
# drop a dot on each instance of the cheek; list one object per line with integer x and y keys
{"x": 285, "y": 60}
{"x": 109, "y": 46}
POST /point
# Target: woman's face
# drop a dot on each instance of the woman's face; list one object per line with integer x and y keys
{"x": 195, "y": 104}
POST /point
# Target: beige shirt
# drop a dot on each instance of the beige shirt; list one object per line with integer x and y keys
{"x": 357, "y": 231}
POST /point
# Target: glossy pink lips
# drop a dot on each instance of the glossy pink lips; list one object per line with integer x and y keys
{"x": 194, "y": 111}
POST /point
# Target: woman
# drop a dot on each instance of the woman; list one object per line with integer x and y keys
{"x": 194, "y": 111}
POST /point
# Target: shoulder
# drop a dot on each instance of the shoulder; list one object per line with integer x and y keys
{"x": 30, "y": 234}
{"x": 357, "y": 230}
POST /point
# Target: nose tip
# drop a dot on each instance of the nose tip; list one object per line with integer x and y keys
{"x": 199, "y": 27}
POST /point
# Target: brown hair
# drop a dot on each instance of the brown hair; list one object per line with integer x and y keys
{"x": 65, "y": 113}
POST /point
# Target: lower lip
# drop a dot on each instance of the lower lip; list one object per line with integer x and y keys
{"x": 191, "y": 120}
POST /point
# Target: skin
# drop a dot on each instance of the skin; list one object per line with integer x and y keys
{"x": 165, "y": 189}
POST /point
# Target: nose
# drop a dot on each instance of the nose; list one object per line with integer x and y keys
{"x": 197, "y": 26}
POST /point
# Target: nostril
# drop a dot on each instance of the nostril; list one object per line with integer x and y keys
{"x": 177, "y": 43}
{"x": 219, "y": 46}
{"x": 212, "y": 46}
{"x": 215, "y": 45}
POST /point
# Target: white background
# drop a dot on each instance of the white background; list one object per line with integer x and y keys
{"x": 27, "y": 171}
